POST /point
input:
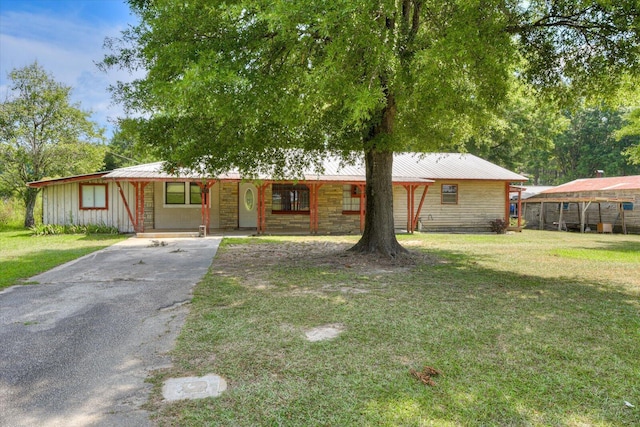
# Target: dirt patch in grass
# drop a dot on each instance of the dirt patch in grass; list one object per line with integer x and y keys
{"x": 241, "y": 258}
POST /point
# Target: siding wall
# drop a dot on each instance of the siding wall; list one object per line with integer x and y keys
{"x": 479, "y": 202}
{"x": 61, "y": 205}
{"x": 571, "y": 216}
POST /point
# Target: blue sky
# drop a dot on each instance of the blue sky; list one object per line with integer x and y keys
{"x": 66, "y": 38}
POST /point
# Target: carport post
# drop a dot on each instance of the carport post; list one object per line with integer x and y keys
{"x": 560, "y": 219}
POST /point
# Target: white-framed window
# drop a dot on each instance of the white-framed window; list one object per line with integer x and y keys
{"x": 93, "y": 196}
{"x": 182, "y": 194}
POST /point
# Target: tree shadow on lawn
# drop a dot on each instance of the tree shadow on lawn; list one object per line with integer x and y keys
{"x": 514, "y": 349}
{"x": 624, "y": 246}
{"x": 524, "y": 349}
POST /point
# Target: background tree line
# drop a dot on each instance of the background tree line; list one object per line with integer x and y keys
{"x": 553, "y": 146}
{"x": 44, "y": 135}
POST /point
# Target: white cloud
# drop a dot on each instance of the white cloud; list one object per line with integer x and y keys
{"x": 68, "y": 50}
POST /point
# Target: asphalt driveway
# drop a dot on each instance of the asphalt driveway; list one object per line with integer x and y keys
{"x": 75, "y": 349}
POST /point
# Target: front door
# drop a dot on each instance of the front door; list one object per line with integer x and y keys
{"x": 248, "y": 206}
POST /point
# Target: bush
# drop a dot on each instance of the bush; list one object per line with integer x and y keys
{"x": 499, "y": 226}
{"x": 514, "y": 222}
{"x": 53, "y": 229}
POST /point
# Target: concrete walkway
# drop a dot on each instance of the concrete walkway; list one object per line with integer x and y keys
{"x": 76, "y": 348}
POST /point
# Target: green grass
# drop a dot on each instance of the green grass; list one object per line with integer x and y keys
{"x": 524, "y": 331}
{"x": 22, "y": 255}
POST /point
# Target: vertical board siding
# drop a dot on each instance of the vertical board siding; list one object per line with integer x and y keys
{"x": 61, "y": 206}
{"x": 479, "y": 202}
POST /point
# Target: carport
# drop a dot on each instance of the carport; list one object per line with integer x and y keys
{"x": 582, "y": 203}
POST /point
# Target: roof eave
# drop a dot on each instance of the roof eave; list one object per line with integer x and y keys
{"x": 65, "y": 180}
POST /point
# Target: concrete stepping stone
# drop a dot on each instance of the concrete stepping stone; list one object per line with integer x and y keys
{"x": 193, "y": 387}
{"x": 325, "y": 332}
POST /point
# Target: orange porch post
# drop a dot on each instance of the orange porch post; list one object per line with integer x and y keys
{"x": 205, "y": 206}
{"x": 507, "y": 203}
{"x": 126, "y": 205}
{"x": 417, "y": 215}
{"x": 410, "y": 204}
{"x": 313, "y": 207}
{"x": 138, "y": 220}
{"x": 262, "y": 208}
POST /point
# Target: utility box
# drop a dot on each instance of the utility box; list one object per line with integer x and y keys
{"x": 605, "y": 227}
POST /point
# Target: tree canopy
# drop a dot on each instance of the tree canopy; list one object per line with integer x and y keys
{"x": 249, "y": 84}
{"x": 632, "y": 129}
{"x": 42, "y": 134}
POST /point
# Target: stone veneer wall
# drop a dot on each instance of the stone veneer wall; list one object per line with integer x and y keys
{"x": 330, "y": 216}
{"x": 228, "y": 205}
{"x": 149, "y": 220}
{"x": 284, "y": 222}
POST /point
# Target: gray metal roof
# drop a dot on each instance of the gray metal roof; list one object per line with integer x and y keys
{"x": 407, "y": 167}
{"x": 454, "y": 166}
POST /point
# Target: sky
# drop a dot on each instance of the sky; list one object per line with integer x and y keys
{"x": 66, "y": 38}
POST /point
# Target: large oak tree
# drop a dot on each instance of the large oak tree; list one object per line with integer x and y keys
{"x": 271, "y": 86}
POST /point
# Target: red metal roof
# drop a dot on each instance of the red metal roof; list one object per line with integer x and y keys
{"x": 597, "y": 184}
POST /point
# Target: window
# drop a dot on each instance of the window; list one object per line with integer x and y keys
{"x": 182, "y": 194}
{"x": 449, "y": 194}
{"x": 289, "y": 198}
{"x": 174, "y": 193}
{"x": 93, "y": 196}
{"x": 195, "y": 194}
{"x": 627, "y": 206}
{"x": 350, "y": 198}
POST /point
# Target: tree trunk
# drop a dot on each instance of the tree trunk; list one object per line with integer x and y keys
{"x": 30, "y": 197}
{"x": 379, "y": 233}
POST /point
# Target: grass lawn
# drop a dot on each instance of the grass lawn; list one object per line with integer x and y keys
{"x": 534, "y": 328}
{"x": 22, "y": 256}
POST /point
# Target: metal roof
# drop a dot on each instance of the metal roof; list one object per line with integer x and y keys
{"x": 63, "y": 180}
{"x": 598, "y": 184}
{"x": 407, "y": 168}
{"x": 453, "y": 166}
